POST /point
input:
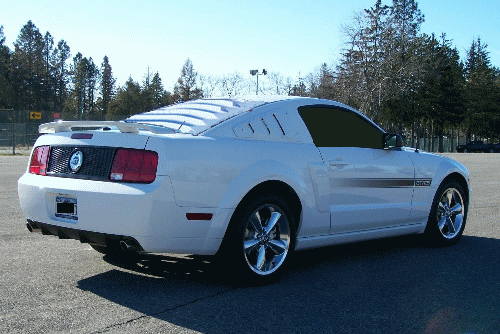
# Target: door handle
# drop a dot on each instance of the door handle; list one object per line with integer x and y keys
{"x": 337, "y": 163}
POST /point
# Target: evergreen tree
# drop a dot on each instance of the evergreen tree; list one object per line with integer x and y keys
{"x": 107, "y": 85}
{"x": 299, "y": 89}
{"x": 406, "y": 19}
{"x": 61, "y": 74}
{"x": 323, "y": 84}
{"x": 47, "y": 89}
{"x": 147, "y": 93}
{"x": 482, "y": 93}
{"x": 5, "y": 85}
{"x": 27, "y": 68}
{"x": 93, "y": 76}
{"x": 159, "y": 95}
{"x": 127, "y": 102}
{"x": 440, "y": 95}
{"x": 185, "y": 89}
{"x": 79, "y": 70}
{"x": 375, "y": 68}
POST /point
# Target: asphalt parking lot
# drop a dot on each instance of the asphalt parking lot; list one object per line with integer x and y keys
{"x": 384, "y": 286}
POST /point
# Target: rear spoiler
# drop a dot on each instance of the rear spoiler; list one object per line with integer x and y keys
{"x": 67, "y": 126}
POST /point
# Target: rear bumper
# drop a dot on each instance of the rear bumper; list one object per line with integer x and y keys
{"x": 111, "y": 212}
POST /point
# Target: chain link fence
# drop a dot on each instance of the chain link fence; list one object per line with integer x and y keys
{"x": 18, "y": 132}
{"x": 20, "y": 138}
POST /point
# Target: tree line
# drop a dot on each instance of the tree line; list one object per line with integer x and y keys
{"x": 409, "y": 82}
{"x": 413, "y": 83}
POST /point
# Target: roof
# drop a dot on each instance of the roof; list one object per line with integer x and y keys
{"x": 199, "y": 115}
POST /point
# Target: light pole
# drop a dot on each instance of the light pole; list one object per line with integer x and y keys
{"x": 256, "y": 72}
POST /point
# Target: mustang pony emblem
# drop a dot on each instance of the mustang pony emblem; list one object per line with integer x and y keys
{"x": 76, "y": 161}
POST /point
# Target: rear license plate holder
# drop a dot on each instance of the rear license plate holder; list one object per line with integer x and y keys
{"x": 66, "y": 207}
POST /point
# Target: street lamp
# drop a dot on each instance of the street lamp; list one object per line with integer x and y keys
{"x": 256, "y": 72}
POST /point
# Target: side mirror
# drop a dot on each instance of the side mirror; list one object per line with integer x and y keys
{"x": 391, "y": 140}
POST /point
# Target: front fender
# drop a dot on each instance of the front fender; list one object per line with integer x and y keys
{"x": 437, "y": 168}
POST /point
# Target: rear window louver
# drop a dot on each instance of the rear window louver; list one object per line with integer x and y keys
{"x": 265, "y": 127}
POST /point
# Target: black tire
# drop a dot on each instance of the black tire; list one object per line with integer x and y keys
{"x": 465, "y": 150}
{"x": 253, "y": 250}
{"x": 448, "y": 215}
{"x": 491, "y": 150}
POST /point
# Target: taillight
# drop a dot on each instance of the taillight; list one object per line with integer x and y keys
{"x": 39, "y": 160}
{"x": 132, "y": 165}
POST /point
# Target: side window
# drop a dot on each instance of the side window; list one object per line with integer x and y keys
{"x": 335, "y": 127}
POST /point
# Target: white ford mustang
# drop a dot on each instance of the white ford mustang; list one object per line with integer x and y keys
{"x": 249, "y": 179}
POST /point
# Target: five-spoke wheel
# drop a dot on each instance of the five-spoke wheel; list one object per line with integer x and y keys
{"x": 450, "y": 213}
{"x": 259, "y": 240}
{"x": 266, "y": 239}
{"x": 447, "y": 218}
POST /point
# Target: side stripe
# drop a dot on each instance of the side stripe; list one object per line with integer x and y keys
{"x": 380, "y": 183}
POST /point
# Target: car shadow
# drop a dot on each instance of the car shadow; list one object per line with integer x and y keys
{"x": 388, "y": 285}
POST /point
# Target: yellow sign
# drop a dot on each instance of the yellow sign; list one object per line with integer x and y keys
{"x": 35, "y": 115}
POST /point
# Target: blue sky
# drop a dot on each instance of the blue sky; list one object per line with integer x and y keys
{"x": 290, "y": 37}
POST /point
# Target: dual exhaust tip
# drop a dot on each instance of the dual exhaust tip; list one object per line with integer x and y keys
{"x": 32, "y": 227}
{"x": 129, "y": 247}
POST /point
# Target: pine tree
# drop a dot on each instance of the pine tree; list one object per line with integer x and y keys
{"x": 61, "y": 74}
{"x": 375, "y": 74}
{"x": 482, "y": 93}
{"x": 93, "y": 76}
{"x": 185, "y": 89}
{"x": 324, "y": 83}
{"x": 406, "y": 19}
{"x": 160, "y": 96}
{"x": 5, "y": 85}
{"x": 79, "y": 83}
{"x": 127, "y": 101}
{"x": 147, "y": 93}
{"x": 299, "y": 89}
{"x": 47, "y": 89}
{"x": 27, "y": 68}
{"x": 107, "y": 85}
{"x": 440, "y": 95}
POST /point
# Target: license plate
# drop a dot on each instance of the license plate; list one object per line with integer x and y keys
{"x": 66, "y": 207}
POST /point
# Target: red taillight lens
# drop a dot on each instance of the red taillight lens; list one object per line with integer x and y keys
{"x": 134, "y": 166}
{"x": 39, "y": 160}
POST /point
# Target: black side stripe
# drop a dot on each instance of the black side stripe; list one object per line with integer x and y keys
{"x": 380, "y": 183}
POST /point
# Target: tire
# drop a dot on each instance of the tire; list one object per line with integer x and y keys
{"x": 465, "y": 150}
{"x": 260, "y": 240}
{"x": 448, "y": 215}
{"x": 491, "y": 150}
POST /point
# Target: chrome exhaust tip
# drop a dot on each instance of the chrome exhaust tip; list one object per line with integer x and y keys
{"x": 32, "y": 227}
{"x": 127, "y": 247}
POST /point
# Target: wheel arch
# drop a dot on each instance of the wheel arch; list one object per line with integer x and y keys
{"x": 282, "y": 189}
{"x": 279, "y": 188}
{"x": 460, "y": 179}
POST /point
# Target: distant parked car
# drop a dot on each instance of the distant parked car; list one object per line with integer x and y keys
{"x": 478, "y": 146}
{"x": 250, "y": 180}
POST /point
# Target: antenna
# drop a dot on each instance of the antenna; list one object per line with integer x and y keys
{"x": 179, "y": 129}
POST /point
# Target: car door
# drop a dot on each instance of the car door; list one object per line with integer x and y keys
{"x": 370, "y": 187}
